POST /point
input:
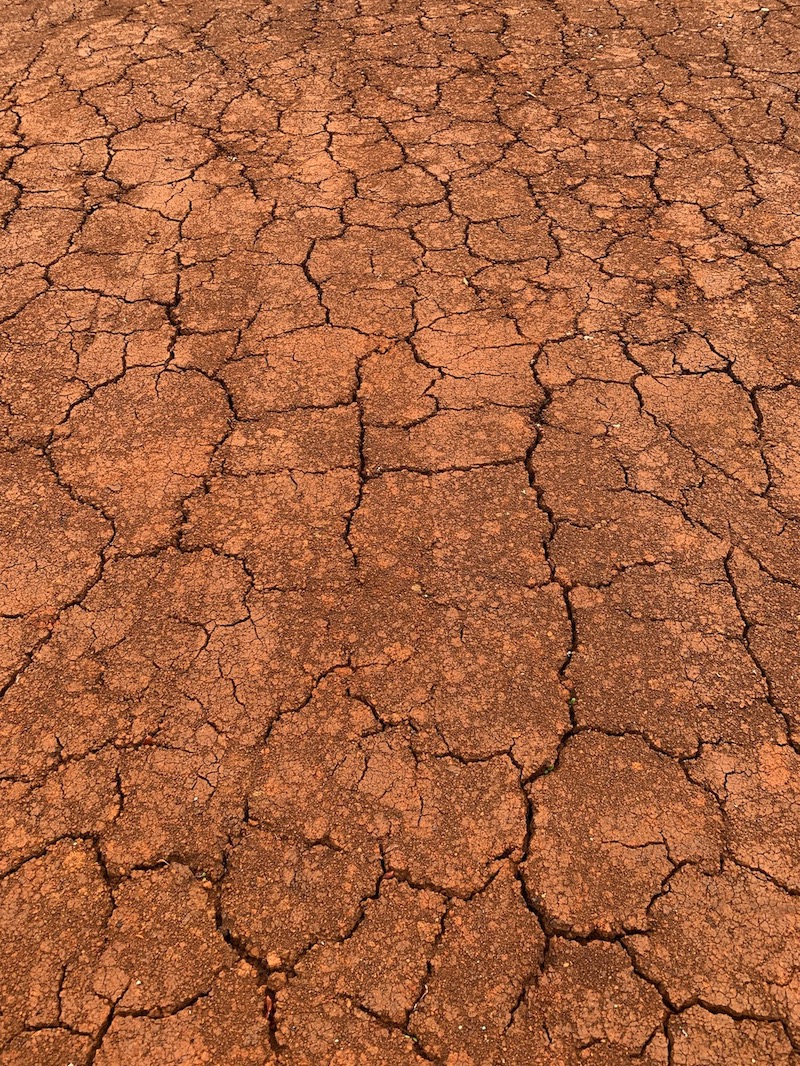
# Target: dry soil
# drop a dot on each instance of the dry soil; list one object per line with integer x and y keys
{"x": 400, "y": 524}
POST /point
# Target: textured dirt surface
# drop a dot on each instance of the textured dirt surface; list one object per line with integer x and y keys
{"x": 400, "y": 533}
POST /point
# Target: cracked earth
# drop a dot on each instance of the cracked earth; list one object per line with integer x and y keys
{"x": 400, "y": 524}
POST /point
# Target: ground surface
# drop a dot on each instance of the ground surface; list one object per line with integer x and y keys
{"x": 401, "y": 533}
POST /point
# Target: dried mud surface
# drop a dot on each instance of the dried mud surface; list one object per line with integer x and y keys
{"x": 400, "y": 525}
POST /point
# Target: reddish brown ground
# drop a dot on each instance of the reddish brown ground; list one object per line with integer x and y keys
{"x": 400, "y": 527}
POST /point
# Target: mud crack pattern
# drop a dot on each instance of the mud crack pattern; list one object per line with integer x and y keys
{"x": 400, "y": 523}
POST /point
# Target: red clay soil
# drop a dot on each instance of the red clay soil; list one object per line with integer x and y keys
{"x": 400, "y": 525}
